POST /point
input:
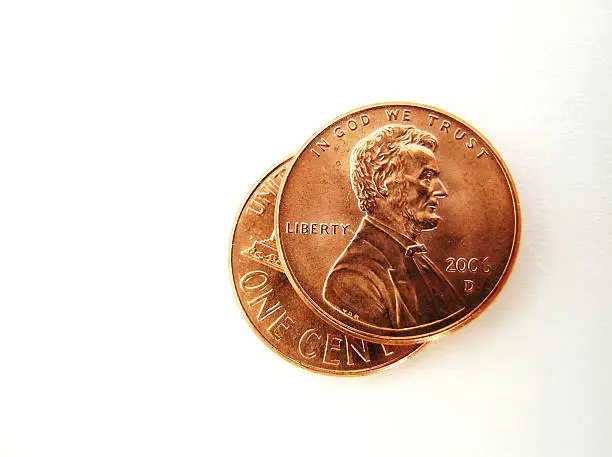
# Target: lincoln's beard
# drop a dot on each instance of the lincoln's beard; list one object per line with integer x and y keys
{"x": 421, "y": 221}
{"x": 415, "y": 220}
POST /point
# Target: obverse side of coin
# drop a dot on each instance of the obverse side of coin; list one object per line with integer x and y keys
{"x": 275, "y": 311}
{"x": 398, "y": 222}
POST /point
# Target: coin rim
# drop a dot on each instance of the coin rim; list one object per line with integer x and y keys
{"x": 432, "y": 335}
{"x": 326, "y": 371}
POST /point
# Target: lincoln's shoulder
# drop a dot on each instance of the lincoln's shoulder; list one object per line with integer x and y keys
{"x": 366, "y": 251}
{"x": 359, "y": 280}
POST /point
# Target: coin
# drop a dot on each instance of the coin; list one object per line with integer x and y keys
{"x": 398, "y": 222}
{"x": 273, "y": 309}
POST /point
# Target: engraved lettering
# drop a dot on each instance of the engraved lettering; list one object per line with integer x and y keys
{"x": 338, "y": 132}
{"x": 461, "y": 264}
{"x": 352, "y": 125}
{"x": 392, "y": 114}
{"x": 264, "y": 310}
{"x": 473, "y": 262}
{"x": 365, "y": 120}
{"x": 322, "y": 144}
{"x": 468, "y": 286}
{"x": 386, "y": 351}
{"x": 280, "y": 326}
{"x": 332, "y": 344}
{"x": 432, "y": 119}
{"x": 311, "y": 346}
{"x": 451, "y": 262}
{"x": 457, "y": 131}
{"x": 358, "y": 347}
{"x": 485, "y": 267}
{"x": 406, "y": 116}
{"x": 273, "y": 182}
{"x": 444, "y": 126}
{"x": 255, "y": 207}
{"x": 253, "y": 280}
{"x": 266, "y": 194}
{"x": 260, "y": 197}
{"x": 308, "y": 349}
{"x": 470, "y": 144}
{"x": 316, "y": 228}
{"x": 267, "y": 190}
{"x": 482, "y": 152}
{"x": 256, "y": 280}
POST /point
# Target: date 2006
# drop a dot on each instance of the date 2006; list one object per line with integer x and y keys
{"x": 463, "y": 265}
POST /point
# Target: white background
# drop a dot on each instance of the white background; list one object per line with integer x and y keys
{"x": 130, "y": 133}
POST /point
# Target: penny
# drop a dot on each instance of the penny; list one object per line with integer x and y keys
{"x": 275, "y": 311}
{"x": 398, "y": 222}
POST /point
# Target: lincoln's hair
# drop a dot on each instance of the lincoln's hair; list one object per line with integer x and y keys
{"x": 376, "y": 159}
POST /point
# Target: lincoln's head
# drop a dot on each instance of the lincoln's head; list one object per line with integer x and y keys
{"x": 395, "y": 176}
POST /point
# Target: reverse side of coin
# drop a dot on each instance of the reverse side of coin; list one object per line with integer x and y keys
{"x": 275, "y": 311}
{"x": 398, "y": 222}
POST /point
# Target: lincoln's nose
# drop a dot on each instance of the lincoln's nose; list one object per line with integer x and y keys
{"x": 440, "y": 190}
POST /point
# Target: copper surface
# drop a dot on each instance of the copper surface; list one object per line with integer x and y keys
{"x": 275, "y": 311}
{"x": 398, "y": 222}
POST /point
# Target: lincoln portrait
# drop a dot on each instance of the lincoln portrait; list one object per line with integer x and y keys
{"x": 384, "y": 276}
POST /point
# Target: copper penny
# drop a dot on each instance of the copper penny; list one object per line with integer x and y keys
{"x": 398, "y": 222}
{"x": 275, "y": 311}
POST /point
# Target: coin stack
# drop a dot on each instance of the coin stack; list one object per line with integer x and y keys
{"x": 393, "y": 225}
